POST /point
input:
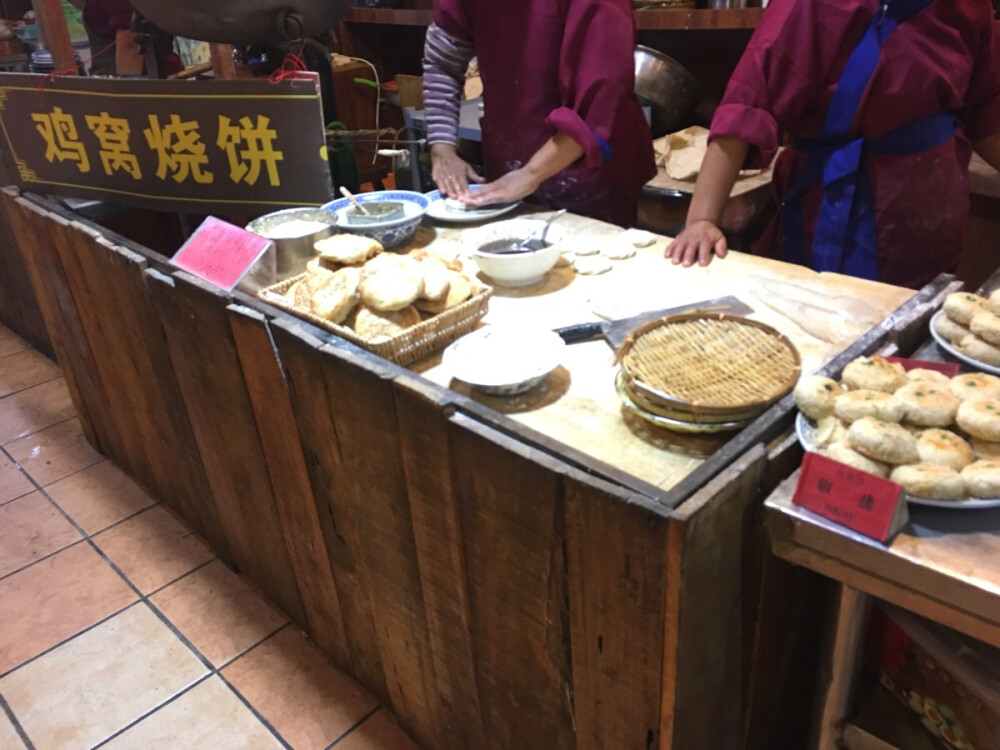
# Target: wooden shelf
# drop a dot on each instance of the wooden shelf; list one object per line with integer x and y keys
{"x": 645, "y": 20}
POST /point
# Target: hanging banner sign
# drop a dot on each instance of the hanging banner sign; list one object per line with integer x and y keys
{"x": 185, "y": 146}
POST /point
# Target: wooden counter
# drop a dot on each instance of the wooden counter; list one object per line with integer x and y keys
{"x": 542, "y": 575}
{"x": 578, "y": 406}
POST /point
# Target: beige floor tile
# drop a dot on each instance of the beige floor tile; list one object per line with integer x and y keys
{"x": 381, "y": 731}
{"x": 25, "y": 369}
{"x": 55, "y": 599}
{"x": 218, "y": 612}
{"x": 101, "y": 681}
{"x": 55, "y": 452}
{"x": 9, "y": 739}
{"x": 34, "y": 409}
{"x": 296, "y": 689}
{"x": 209, "y": 715}
{"x": 99, "y": 496}
{"x": 153, "y": 548}
{"x": 13, "y": 482}
{"x": 11, "y": 342}
{"x": 31, "y": 528}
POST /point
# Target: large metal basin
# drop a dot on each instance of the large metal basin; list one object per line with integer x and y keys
{"x": 667, "y": 87}
{"x": 243, "y": 21}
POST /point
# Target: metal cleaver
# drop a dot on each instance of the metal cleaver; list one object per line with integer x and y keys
{"x": 616, "y": 331}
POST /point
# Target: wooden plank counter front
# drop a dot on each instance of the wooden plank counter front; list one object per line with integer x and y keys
{"x": 536, "y": 572}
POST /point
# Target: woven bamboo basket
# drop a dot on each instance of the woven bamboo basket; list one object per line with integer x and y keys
{"x": 414, "y": 343}
{"x": 706, "y": 368}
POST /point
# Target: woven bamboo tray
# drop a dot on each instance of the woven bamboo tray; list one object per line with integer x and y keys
{"x": 414, "y": 343}
{"x": 708, "y": 367}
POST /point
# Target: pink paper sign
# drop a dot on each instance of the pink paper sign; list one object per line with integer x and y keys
{"x": 220, "y": 253}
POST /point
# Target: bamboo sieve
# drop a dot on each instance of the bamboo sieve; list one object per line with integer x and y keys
{"x": 709, "y": 365}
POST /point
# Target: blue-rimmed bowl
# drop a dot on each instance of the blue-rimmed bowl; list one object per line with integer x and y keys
{"x": 392, "y": 231}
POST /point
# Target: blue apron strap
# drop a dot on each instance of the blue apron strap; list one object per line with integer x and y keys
{"x": 846, "y": 220}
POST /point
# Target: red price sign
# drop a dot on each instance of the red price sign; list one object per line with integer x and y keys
{"x": 220, "y": 253}
{"x": 856, "y": 499}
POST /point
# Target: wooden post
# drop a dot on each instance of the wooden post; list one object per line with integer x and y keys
{"x": 222, "y": 61}
{"x": 55, "y": 33}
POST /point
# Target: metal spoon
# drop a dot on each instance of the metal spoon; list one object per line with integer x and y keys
{"x": 537, "y": 244}
{"x": 354, "y": 201}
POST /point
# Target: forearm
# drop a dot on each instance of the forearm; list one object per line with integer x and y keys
{"x": 557, "y": 153}
{"x": 445, "y": 61}
{"x": 719, "y": 169}
{"x": 989, "y": 149}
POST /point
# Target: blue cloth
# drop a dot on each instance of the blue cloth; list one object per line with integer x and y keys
{"x": 844, "y": 240}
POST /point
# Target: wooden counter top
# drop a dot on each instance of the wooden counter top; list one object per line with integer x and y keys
{"x": 578, "y": 405}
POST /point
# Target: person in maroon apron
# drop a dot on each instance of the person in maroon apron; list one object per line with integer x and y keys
{"x": 884, "y": 103}
{"x": 561, "y": 119}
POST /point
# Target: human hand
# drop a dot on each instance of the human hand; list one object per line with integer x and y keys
{"x": 697, "y": 242}
{"x": 513, "y": 186}
{"x": 450, "y": 172}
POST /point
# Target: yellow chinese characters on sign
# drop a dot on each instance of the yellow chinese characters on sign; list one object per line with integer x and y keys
{"x": 248, "y": 148}
{"x": 179, "y": 149}
{"x": 61, "y": 140}
{"x": 113, "y": 135}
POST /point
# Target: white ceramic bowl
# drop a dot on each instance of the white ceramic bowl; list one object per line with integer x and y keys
{"x": 504, "y": 360}
{"x": 391, "y": 232}
{"x": 516, "y": 269}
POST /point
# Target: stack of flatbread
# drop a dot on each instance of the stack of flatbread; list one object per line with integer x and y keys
{"x": 352, "y": 282}
{"x": 681, "y": 154}
{"x": 936, "y": 436}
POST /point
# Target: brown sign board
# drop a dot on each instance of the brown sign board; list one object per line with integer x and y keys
{"x": 247, "y": 146}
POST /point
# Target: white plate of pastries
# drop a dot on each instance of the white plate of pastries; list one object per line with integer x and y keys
{"x": 938, "y": 437}
{"x": 968, "y": 328}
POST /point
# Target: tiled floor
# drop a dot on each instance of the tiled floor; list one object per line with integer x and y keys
{"x": 119, "y": 628}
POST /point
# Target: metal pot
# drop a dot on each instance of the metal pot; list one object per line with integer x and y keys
{"x": 293, "y": 231}
{"x": 667, "y": 87}
{"x": 243, "y": 21}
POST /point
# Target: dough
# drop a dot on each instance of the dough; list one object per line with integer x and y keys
{"x": 592, "y": 266}
{"x": 638, "y": 237}
{"x": 930, "y": 480}
{"x": 875, "y": 373}
{"x": 883, "y": 441}
{"x": 617, "y": 250}
{"x": 585, "y": 251}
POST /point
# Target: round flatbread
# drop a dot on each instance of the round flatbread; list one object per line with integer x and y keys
{"x": 816, "y": 395}
{"x": 979, "y": 350}
{"x": 993, "y": 302}
{"x": 460, "y": 288}
{"x": 950, "y": 330}
{"x": 944, "y": 447}
{"x": 932, "y": 481}
{"x": 975, "y": 385}
{"x": 923, "y": 375}
{"x": 851, "y": 406}
{"x": 337, "y": 297}
{"x": 986, "y": 325}
{"x": 961, "y": 306}
{"x": 928, "y": 404}
{"x": 346, "y": 249}
{"x": 883, "y": 441}
{"x": 982, "y": 478}
{"x": 980, "y": 418}
{"x": 829, "y": 430}
{"x": 391, "y": 282}
{"x": 874, "y": 373}
{"x": 380, "y": 325}
{"x": 843, "y": 453}
{"x": 984, "y": 448}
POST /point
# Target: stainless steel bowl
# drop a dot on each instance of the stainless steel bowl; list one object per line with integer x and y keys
{"x": 243, "y": 21}
{"x": 667, "y": 87}
{"x": 294, "y": 231}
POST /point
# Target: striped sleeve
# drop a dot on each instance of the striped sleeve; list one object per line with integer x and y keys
{"x": 445, "y": 60}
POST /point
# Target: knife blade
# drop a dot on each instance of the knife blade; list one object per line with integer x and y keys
{"x": 615, "y": 331}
